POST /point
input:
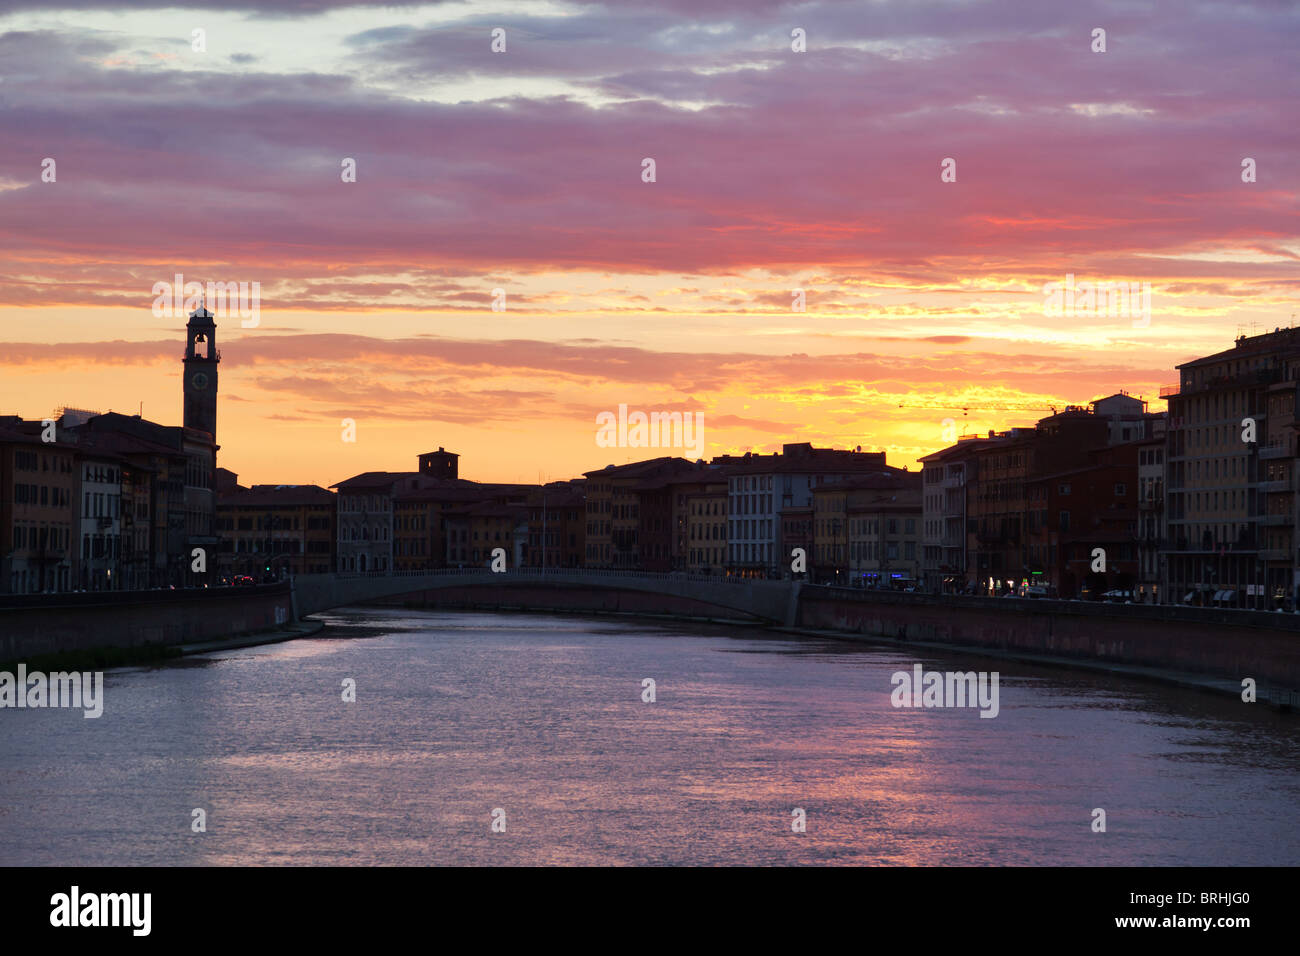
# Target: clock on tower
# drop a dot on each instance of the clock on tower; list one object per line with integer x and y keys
{"x": 201, "y": 358}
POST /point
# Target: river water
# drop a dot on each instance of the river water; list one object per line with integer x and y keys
{"x": 542, "y": 717}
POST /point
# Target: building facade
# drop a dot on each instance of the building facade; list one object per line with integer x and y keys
{"x": 761, "y": 488}
{"x": 269, "y": 532}
{"x": 100, "y": 525}
{"x": 617, "y": 533}
{"x": 1231, "y": 495}
{"x": 866, "y": 531}
{"x": 885, "y": 537}
{"x": 943, "y": 519}
{"x": 40, "y": 540}
{"x": 1153, "y": 534}
{"x": 706, "y": 526}
{"x": 557, "y": 514}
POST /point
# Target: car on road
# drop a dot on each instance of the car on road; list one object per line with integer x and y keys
{"x": 1038, "y": 591}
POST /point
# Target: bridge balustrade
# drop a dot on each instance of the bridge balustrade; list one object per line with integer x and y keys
{"x": 555, "y": 572}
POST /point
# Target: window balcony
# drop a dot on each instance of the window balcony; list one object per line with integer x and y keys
{"x": 1262, "y": 376}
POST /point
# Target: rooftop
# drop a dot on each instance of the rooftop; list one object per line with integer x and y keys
{"x": 1265, "y": 345}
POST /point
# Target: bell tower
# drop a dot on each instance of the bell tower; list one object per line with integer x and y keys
{"x": 201, "y": 358}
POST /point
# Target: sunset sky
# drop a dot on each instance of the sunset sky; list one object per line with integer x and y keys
{"x": 521, "y": 170}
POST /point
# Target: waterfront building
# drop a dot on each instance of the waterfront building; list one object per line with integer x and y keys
{"x": 475, "y": 531}
{"x": 269, "y": 532}
{"x": 1081, "y": 526}
{"x": 761, "y": 488}
{"x": 364, "y": 521}
{"x": 1152, "y": 536}
{"x": 556, "y": 521}
{"x": 390, "y": 520}
{"x": 1003, "y": 496}
{"x": 1232, "y": 494}
{"x": 185, "y": 499}
{"x": 705, "y": 548}
{"x": 151, "y": 551}
{"x": 797, "y": 536}
{"x": 39, "y": 527}
{"x": 866, "y": 530}
{"x": 884, "y": 535}
{"x": 617, "y": 534}
{"x": 100, "y": 522}
{"x": 943, "y": 517}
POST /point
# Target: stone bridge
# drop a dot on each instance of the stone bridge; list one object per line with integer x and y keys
{"x": 770, "y": 601}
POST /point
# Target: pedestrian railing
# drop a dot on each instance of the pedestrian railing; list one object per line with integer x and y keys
{"x": 620, "y": 573}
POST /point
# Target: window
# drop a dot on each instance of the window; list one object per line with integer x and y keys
{"x": 1063, "y": 489}
{"x": 1120, "y": 489}
{"x": 1064, "y": 524}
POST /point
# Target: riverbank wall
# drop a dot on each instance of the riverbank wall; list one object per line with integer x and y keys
{"x": 1229, "y": 644}
{"x": 1223, "y": 645}
{"x": 37, "y": 626}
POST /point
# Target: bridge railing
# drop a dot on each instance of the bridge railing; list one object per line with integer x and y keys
{"x": 558, "y": 572}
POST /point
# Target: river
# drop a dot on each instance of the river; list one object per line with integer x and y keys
{"x": 542, "y": 717}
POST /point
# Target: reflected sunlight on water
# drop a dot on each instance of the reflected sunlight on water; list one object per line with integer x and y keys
{"x": 456, "y": 714}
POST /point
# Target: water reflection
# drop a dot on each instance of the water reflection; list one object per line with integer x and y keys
{"x": 456, "y": 714}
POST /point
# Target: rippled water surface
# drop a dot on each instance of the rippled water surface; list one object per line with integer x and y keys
{"x": 542, "y": 717}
